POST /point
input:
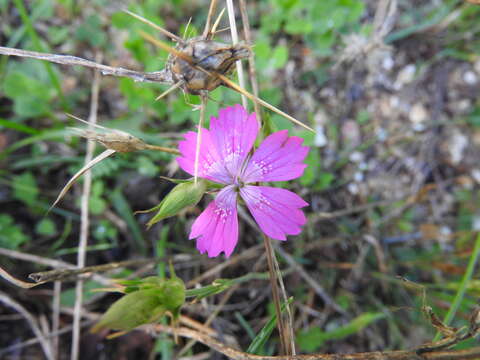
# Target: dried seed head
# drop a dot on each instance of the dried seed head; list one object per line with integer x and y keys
{"x": 117, "y": 140}
{"x": 208, "y": 54}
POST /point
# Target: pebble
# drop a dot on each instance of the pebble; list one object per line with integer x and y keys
{"x": 470, "y": 78}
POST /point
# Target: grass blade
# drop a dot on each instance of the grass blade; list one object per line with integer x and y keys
{"x": 463, "y": 286}
{"x": 266, "y": 331}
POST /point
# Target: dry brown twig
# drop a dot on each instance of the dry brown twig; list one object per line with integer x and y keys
{"x": 85, "y": 221}
{"x": 231, "y": 353}
{"x": 7, "y": 300}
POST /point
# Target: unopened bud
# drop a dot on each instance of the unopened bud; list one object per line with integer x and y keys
{"x": 113, "y": 139}
{"x": 182, "y": 196}
{"x": 132, "y": 310}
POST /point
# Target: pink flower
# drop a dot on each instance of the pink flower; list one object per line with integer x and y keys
{"x": 225, "y": 158}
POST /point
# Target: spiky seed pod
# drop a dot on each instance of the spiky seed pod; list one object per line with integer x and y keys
{"x": 208, "y": 54}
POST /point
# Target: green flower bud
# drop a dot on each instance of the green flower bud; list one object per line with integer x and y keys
{"x": 146, "y": 302}
{"x": 182, "y": 196}
{"x": 132, "y": 310}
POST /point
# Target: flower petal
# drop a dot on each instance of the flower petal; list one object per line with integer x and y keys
{"x": 275, "y": 210}
{"x": 216, "y": 229}
{"x": 233, "y": 133}
{"x": 278, "y": 158}
{"x": 210, "y": 164}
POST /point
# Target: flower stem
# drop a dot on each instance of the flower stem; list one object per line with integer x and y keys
{"x": 163, "y": 149}
{"x": 203, "y": 105}
{"x": 275, "y": 294}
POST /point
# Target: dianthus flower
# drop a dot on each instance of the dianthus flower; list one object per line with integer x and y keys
{"x": 225, "y": 159}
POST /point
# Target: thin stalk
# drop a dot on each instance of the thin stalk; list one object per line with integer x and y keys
{"x": 252, "y": 72}
{"x": 203, "y": 105}
{"x": 170, "y": 89}
{"x": 57, "y": 290}
{"x": 156, "y": 27}
{"x": 84, "y": 225}
{"x": 238, "y": 63}
{"x": 206, "y": 31}
{"x": 463, "y": 286}
{"x": 163, "y": 149}
{"x": 291, "y": 335}
{"x": 275, "y": 295}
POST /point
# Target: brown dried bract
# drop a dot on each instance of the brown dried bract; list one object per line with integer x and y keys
{"x": 210, "y": 55}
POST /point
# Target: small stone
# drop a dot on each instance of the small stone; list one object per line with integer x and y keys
{"x": 358, "y": 176}
{"x": 418, "y": 114}
{"x": 388, "y": 63}
{"x": 406, "y": 75}
{"x": 476, "y": 175}
{"x": 470, "y": 78}
{"x": 356, "y": 157}
{"x": 457, "y": 144}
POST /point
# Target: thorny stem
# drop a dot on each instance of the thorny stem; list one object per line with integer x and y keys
{"x": 276, "y": 297}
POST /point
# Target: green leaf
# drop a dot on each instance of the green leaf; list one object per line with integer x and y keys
{"x": 31, "y": 97}
{"x": 280, "y": 56}
{"x": 25, "y": 188}
{"x": 298, "y": 25}
{"x": 46, "y": 227}
{"x": 67, "y": 298}
{"x": 123, "y": 208}
{"x": 146, "y": 166}
{"x": 259, "y": 341}
{"x": 11, "y": 235}
{"x": 91, "y": 31}
{"x": 313, "y": 339}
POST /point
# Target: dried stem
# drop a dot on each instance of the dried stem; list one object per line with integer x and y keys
{"x": 252, "y": 72}
{"x": 34, "y": 341}
{"x": 288, "y": 310}
{"x": 156, "y": 76}
{"x": 211, "y": 317}
{"x": 155, "y": 26}
{"x": 84, "y": 225}
{"x": 57, "y": 290}
{"x": 238, "y": 63}
{"x": 65, "y": 274}
{"x": 210, "y": 341}
{"x": 163, "y": 149}
{"x": 276, "y": 297}
{"x": 203, "y": 106}
{"x": 227, "y": 82}
{"x": 48, "y": 262}
{"x": 310, "y": 281}
{"x": 206, "y": 31}
{"x": 25, "y": 285}
{"x": 169, "y": 90}
{"x": 7, "y": 300}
